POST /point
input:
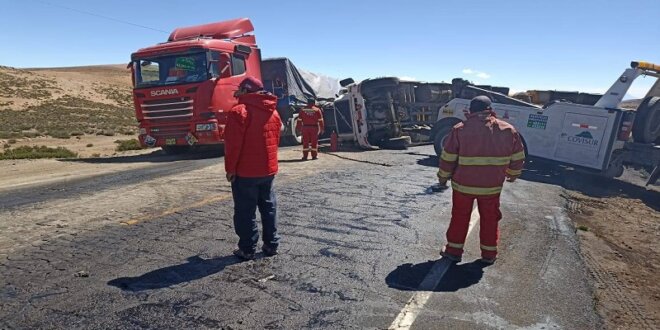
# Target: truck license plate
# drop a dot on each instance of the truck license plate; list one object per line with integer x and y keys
{"x": 170, "y": 141}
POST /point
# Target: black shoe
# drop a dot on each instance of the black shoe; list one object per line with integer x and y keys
{"x": 269, "y": 251}
{"x": 243, "y": 255}
{"x": 451, "y": 257}
{"x": 315, "y": 158}
{"x": 488, "y": 261}
{"x": 303, "y": 159}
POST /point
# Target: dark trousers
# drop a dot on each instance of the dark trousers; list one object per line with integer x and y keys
{"x": 250, "y": 193}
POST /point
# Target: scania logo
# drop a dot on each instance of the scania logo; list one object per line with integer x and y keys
{"x": 171, "y": 91}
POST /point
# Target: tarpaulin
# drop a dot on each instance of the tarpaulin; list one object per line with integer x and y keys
{"x": 281, "y": 77}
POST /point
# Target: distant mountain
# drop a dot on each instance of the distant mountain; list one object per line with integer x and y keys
{"x": 630, "y": 104}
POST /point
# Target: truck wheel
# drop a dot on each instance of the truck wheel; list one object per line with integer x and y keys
{"x": 440, "y": 138}
{"x": 615, "y": 168}
{"x": 646, "y": 128}
{"x": 291, "y": 140}
{"x": 370, "y": 85}
{"x": 289, "y": 135}
{"x": 175, "y": 150}
{"x": 614, "y": 171}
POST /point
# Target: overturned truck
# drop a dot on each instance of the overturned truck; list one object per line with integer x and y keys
{"x": 393, "y": 113}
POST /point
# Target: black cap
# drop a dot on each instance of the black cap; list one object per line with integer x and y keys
{"x": 311, "y": 101}
{"x": 480, "y": 103}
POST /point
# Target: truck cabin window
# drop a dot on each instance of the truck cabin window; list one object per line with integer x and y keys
{"x": 238, "y": 65}
{"x": 171, "y": 70}
{"x": 220, "y": 65}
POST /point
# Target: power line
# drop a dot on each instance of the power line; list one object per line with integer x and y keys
{"x": 100, "y": 16}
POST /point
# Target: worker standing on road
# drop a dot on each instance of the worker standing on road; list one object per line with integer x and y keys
{"x": 478, "y": 155}
{"x": 252, "y": 136}
{"x": 310, "y": 121}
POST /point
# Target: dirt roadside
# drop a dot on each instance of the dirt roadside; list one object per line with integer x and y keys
{"x": 85, "y": 146}
{"x": 618, "y": 224}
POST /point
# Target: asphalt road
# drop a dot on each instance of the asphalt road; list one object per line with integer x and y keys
{"x": 361, "y": 235}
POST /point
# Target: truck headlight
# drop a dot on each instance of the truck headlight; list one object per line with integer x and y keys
{"x": 143, "y": 131}
{"x": 206, "y": 127}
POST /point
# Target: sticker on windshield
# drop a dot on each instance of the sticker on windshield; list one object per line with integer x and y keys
{"x": 185, "y": 63}
{"x": 537, "y": 121}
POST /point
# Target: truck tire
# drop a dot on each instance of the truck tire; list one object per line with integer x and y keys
{"x": 289, "y": 135}
{"x": 378, "y": 83}
{"x": 440, "y": 137}
{"x": 175, "y": 150}
{"x": 523, "y": 96}
{"x": 615, "y": 168}
{"x": 646, "y": 128}
{"x": 442, "y": 129}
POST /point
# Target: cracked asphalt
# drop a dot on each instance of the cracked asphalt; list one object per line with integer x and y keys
{"x": 151, "y": 249}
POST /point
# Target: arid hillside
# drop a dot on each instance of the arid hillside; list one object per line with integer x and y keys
{"x": 71, "y": 107}
{"x": 55, "y": 102}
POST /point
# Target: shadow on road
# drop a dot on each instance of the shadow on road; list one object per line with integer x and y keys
{"x": 545, "y": 171}
{"x": 459, "y": 276}
{"x": 296, "y": 160}
{"x": 194, "y": 269}
{"x": 157, "y": 156}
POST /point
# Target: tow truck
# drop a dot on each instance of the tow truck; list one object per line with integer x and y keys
{"x": 599, "y": 138}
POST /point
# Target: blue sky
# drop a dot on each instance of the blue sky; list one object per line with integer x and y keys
{"x": 569, "y": 45}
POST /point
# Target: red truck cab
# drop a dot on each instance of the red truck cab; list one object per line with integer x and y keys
{"x": 181, "y": 88}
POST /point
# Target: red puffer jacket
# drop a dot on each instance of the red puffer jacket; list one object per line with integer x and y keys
{"x": 479, "y": 153}
{"x": 252, "y": 136}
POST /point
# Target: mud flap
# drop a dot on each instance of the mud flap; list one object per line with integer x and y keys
{"x": 653, "y": 178}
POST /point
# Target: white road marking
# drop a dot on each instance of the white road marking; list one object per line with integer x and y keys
{"x": 415, "y": 305}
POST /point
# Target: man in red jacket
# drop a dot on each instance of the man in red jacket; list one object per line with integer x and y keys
{"x": 478, "y": 155}
{"x": 310, "y": 121}
{"x": 252, "y": 136}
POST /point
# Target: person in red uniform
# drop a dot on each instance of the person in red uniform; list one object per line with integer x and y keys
{"x": 252, "y": 137}
{"x": 310, "y": 122}
{"x": 478, "y": 155}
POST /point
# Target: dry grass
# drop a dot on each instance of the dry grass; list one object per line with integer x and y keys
{"x": 34, "y": 152}
{"x": 67, "y": 116}
{"x": 65, "y": 102}
{"x": 15, "y": 83}
{"x": 125, "y": 145}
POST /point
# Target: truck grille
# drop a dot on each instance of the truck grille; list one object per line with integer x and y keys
{"x": 170, "y": 131}
{"x": 180, "y": 107}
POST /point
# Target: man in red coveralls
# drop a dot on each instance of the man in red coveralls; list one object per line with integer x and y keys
{"x": 252, "y": 136}
{"x": 478, "y": 155}
{"x": 310, "y": 121}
